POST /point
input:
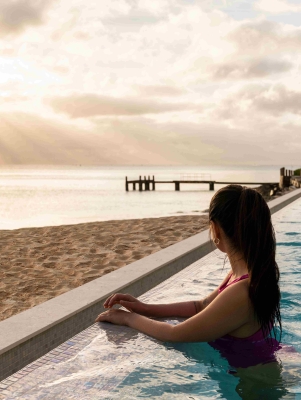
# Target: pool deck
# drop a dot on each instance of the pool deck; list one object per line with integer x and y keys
{"x": 33, "y": 333}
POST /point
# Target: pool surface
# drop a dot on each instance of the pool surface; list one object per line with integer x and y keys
{"x": 112, "y": 362}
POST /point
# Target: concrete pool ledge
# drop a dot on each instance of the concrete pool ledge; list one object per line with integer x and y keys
{"x": 282, "y": 201}
{"x": 32, "y": 333}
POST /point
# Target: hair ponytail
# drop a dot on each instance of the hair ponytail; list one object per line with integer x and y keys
{"x": 245, "y": 218}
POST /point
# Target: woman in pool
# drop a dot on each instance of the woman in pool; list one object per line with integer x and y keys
{"x": 239, "y": 315}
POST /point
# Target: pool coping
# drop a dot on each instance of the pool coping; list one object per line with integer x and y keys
{"x": 34, "y": 332}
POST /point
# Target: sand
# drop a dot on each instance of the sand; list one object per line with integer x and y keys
{"x": 37, "y": 264}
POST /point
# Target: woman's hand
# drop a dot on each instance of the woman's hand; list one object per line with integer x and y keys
{"x": 127, "y": 301}
{"x": 117, "y": 317}
{"x": 156, "y": 329}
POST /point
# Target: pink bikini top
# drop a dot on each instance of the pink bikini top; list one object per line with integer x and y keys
{"x": 247, "y": 351}
{"x": 225, "y": 285}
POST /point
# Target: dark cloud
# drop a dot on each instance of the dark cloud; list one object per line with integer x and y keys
{"x": 16, "y": 15}
{"x": 249, "y": 69}
{"x": 90, "y": 105}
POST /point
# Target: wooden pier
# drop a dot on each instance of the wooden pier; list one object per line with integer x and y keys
{"x": 149, "y": 183}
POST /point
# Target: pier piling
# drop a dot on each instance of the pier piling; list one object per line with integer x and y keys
{"x": 285, "y": 178}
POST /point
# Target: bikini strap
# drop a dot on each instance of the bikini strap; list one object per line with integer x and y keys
{"x": 226, "y": 284}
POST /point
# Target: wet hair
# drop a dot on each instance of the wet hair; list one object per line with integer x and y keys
{"x": 245, "y": 218}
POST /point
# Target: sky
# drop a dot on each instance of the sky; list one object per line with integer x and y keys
{"x": 160, "y": 82}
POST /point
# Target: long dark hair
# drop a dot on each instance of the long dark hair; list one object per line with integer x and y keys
{"x": 245, "y": 218}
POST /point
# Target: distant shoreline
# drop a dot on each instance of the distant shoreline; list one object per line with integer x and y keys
{"x": 264, "y": 190}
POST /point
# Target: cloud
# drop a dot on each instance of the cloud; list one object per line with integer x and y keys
{"x": 16, "y": 15}
{"x": 91, "y": 105}
{"x": 160, "y": 90}
{"x": 132, "y": 15}
{"x": 60, "y": 69}
{"x": 163, "y": 82}
{"x": 148, "y": 142}
{"x": 206, "y": 143}
{"x": 30, "y": 139}
{"x": 277, "y": 6}
{"x": 257, "y": 104}
{"x": 10, "y": 98}
{"x": 278, "y": 100}
{"x": 155, "y": 7}
{"x": 248, "y": 69}
{"x": 265, "y": 38}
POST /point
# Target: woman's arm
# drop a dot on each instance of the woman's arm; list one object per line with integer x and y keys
{"x": 227, "y": 312}
{"x": 184, "y": 309}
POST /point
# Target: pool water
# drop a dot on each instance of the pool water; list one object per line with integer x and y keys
{"x": 196, "y": 371}
{"x": 111, "y": 362}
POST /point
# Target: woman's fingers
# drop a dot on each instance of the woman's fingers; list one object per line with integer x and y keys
{"x": 103, "y": 317}
{"x": 130, "y": 305}
{"x": 118, "y": 317}
{"x": 116, "y": 298}
{"x": 113, "y": 299}
{"x": 105, "y": 304}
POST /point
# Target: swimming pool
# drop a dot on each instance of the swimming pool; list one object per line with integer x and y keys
{"x": 111, "y": 362}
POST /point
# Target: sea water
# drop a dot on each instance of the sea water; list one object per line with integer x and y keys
{"x": 46, "y": 196}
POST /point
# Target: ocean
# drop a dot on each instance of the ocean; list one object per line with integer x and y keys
{"x": 38, "y": 196}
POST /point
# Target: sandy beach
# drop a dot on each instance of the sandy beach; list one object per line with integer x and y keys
{"x": 38, "y": 264}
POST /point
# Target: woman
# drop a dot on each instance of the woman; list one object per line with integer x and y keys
{"x": 239, "y": 315}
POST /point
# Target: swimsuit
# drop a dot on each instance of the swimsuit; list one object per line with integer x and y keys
{"x": 225, "y": 285}
{"x": 249, "y": 351}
